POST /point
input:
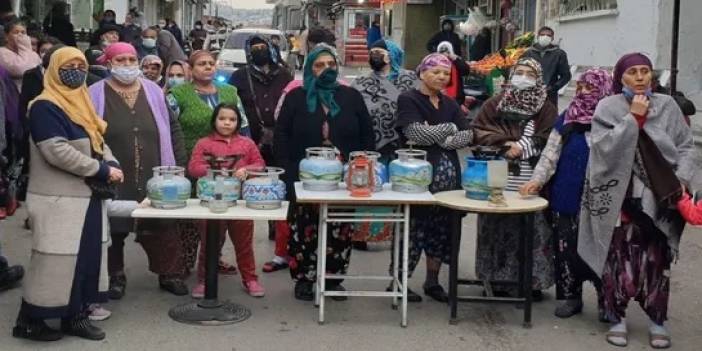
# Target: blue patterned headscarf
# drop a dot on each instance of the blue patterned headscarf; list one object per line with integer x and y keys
{"x": 325, "y": 85}
{"x": 397, "y": 58}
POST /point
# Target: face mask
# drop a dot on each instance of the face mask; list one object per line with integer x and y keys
{"x": 198, "y": 27}
{"x": 545, "y": 40}
{"x": 148, "y": 43}
{"x": 328, "y": 76}
{"x": 175, "y": 81}
{"x": 629, "y": 94}
{"x": 447, "y": 28}
{"x": 72, "y": 78}
{"x": 377, "y": 61}
{"x": 109, "y": 19}
{"x": 522, "y": 82}
{"x": 260, "y": 57}
{"x": 162, "y": 25}
{"x": 126, "y": 74}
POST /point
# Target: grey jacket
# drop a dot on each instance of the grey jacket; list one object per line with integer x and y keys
{"x": 614, "y": 140}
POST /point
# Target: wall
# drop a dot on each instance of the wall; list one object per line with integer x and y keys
{"x": 420, "y": 24}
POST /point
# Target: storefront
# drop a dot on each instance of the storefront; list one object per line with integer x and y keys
{"x": 352, "y": 21}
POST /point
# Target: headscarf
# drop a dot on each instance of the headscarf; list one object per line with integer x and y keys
{"x": 150, "y": 60}
{"x": 397, "y": 58}
{"x": 114, "y": 50}
{"x": 321, "y": 88}
{"x": 186, "y": 69}
{"x": 524, "y": 103}
{"x": 624, "y": 63}
{"x": 434, "y": 60}
{"x": 75, "y": 103}
{"x": 445, "y": 46}
{"x": 582, "y": 108}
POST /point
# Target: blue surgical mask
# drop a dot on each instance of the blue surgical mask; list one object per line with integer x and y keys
{"x": 629, "y": 94}
{"x": 175, "y": 81}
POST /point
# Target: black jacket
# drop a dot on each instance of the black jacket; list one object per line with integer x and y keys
{"x": 296, "y": 129}
{"x": 267, "y": 97}
{"x": 554, "y": 63}
{"x": 449, "y": 36}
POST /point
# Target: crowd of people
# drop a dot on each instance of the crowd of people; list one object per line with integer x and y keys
{"x": 78, "y": 148}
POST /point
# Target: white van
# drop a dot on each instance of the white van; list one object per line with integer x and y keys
{"x": 232, "y": 55}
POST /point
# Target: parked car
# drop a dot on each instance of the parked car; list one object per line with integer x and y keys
{"x": 232, "y": 56}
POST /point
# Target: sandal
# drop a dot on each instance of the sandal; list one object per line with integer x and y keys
{"x": 666, "y": 342}
{"x": 610, "y": 335}
{"x": 273, "y": 266}
{"x": 224, "y": 268}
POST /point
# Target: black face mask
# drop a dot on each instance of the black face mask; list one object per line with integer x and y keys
{"x": 377, "y": 61}
{"x": 260, "y": 57}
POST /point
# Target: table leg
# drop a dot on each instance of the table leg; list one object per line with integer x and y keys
{"x": 453, "y": 269}
{"x": 405, "y": 261}
{"x": 317, "y": 290}
{"x": 210, "y": 311}
{"x": 322, "y": 257}
{"x": 396, "y": 259}
{"x": 528, "y": 233}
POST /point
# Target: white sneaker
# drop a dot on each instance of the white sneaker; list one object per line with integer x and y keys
{"x": 98, "y": 313}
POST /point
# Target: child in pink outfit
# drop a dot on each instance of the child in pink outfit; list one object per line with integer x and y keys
{"x": 225, "y": 140}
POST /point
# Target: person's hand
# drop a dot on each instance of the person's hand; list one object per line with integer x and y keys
{"x": 145, "y": 203}
{"x": 639, "y": 105}
{"x": 530, "y": 188}
{"x": 240, "y": 174}
{"x": 116, "y": 175}
{"x": 452, "y": 57}
{"x": 515, "y": 151}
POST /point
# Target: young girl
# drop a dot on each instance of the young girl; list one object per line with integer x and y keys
{"x": 225, "y": 140}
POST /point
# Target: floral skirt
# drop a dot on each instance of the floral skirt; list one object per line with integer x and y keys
{"x": 498, "y": 253}
{"x": 637, "y": 267}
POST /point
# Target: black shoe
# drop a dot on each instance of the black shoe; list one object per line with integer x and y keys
{"x": 304, "y": 290}
{"x": 337, "y": 287}
{"x": 411, "y": 295}
{"x": 81, "y": 327}
{"x": 175, "y": 286}
{"x": 360, "y": 245}
{"x": 118, "y": 287}
{"x": 569, "y": 308}
{"x": 436, "y": 292}
{"x": 537, "y": 296}
{"x": 10, "y": 277}
{"x": 36, "y": 330}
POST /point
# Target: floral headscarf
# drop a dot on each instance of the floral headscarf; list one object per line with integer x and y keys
{"x": 525, "y": 102}
{"x": 582, "y": 108}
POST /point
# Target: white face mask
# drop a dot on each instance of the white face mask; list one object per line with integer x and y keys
{"x": 545, "y": 40}
{"x": 126, "y": 74}
{"x": 148, "y": 43}
{"x": 522, "y": 82}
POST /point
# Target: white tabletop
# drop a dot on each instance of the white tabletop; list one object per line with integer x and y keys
{"x": 516, "y": 204}
{"x": 195, "y": 211}
{"x": 342, "y": 196}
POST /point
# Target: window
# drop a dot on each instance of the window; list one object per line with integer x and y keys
{"x": 579, "y": 7}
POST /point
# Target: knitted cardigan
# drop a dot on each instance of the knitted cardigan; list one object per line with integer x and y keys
{"x": 195, "y": 115}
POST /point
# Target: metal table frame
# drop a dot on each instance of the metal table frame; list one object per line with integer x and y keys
{"x": 345, "y": 209}
{"x": 526, "y": 244}
{"x": 210, "y": 310}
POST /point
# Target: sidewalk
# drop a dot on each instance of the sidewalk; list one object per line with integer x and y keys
{"x": 140, "y": 320}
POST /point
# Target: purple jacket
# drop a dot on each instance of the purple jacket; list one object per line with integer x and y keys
{"x": 157, "y": 102}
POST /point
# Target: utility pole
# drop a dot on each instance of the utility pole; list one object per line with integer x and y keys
{"x": 674, "y": 48}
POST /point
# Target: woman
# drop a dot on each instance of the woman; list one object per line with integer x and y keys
{"x": 434, "y": 122}
{"x": 177, "y": 73}
{"x": 521, "y": 119}
{"x": 68, "y": 221}
{"x": 459, "y": 69}
{"x": 380, "y": 89}
{"x": 642, "y": 156}
{"x": 151, "y": 67}
{"x": 17, "y": 55}
{"x": 194, "y": 101}
{"x": 563, "y": 162}
{"x": 320, "y": 113}
{"x": 143, "y": 136}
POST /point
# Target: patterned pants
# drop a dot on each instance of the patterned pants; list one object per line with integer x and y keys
{"x": 302, "y": 246}
{"x": 571, "y": 270}
{"x": 638, "y": 267}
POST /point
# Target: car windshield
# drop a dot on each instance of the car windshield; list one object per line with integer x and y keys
{"x": 238, "y": 40}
